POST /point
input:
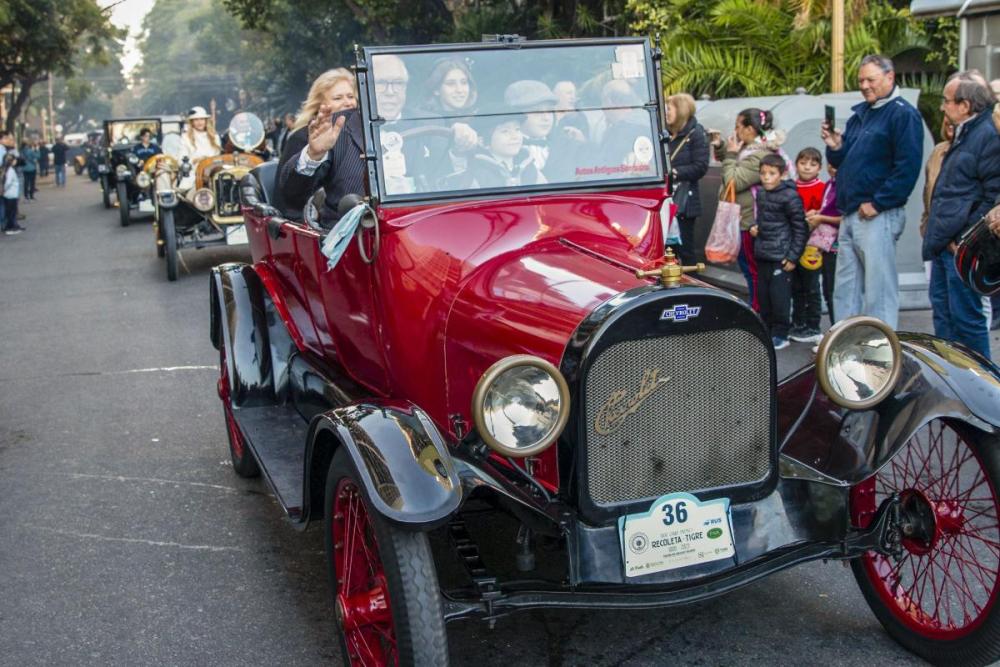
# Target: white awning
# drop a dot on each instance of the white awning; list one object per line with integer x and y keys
{"x": 931, "y": 8}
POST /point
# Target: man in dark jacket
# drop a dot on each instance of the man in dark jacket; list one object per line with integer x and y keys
{"x": 59, "y": 150}
{"x": 968, "y": 184}
{"x": 878, "y": 159}
{"x": 780, "y": 231}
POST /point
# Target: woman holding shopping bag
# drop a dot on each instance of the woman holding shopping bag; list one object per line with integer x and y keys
{"x": 753, "y": 138}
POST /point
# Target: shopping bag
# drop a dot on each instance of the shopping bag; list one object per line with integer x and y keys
{"x": 723, "y": 245}
{"x": 823, "y": 237}
{"x": 668, "y": 223}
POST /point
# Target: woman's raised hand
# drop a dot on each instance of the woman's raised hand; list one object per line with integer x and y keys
{"x": 323, "y": 132}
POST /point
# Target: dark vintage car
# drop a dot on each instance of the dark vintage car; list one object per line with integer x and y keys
{"x": 123, "y": 172}
{"x": 495, "y": 393}
{"x": 198, "y": 205}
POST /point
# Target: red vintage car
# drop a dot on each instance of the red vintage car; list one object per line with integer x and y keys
{"x": 496, "y": 393}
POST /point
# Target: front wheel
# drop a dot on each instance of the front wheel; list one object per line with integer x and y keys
{"x": 385, "y": 586}
{"x": 123, "y": 204}
{"x": 106, "y": 192}
{"x": 169, "y": 232}
{"x": 939, "y": 598}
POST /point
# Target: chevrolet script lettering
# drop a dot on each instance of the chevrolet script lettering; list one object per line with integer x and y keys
{"x": 681, "y": 312}
{"x": 620, "y": 404}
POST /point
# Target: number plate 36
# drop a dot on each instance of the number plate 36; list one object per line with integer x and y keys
{"x": 677, "y": 531}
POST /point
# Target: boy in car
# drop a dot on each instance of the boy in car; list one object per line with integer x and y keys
{"x": 780, "y": 231}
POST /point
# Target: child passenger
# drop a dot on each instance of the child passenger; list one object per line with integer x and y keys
{"x": 504, "y": 162}
{"x": 805, "y": 278}
{"x": 780, "y": 233}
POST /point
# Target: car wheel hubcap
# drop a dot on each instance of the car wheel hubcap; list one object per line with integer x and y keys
{"x": 362, "y": 603}
{"x": 946, "y": 580}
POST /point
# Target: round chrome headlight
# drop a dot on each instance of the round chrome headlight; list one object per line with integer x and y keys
{"x": 520, "y": 406}
{"x": 142, "y": 179}
{"x": 133, "y": 159}
{"x": 204, "y": 200}
{"x": 858, "y": 362}
{"x": 122, "y": 171}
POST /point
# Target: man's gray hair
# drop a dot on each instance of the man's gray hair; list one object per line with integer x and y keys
{"x": 974, "y": 92}
{"x": 882, "y": 62}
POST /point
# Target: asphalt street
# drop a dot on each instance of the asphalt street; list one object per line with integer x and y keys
{"x": 126, "y": 539}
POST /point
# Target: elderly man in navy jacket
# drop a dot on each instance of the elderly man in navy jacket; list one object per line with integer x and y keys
{"x": 968, "y": 184}
{"x": 878, "y": 160}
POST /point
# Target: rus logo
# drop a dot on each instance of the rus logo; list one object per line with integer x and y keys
{"x": 622, "y": 403}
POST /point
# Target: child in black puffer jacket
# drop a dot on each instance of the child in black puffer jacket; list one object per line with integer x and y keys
{"x": 781, "y": 232}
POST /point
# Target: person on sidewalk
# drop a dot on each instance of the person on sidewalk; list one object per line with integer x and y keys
{"x": 779, "y": 233}
{"x": 878, "y": 157}
{"x": 30, "y": 168}
{"x": 59, "y": 150}
{"x": 688, "y": 150}
{"x": 11, "y": 193}
{"x": 806, "y": 307}
{"x": 966, "y": 188}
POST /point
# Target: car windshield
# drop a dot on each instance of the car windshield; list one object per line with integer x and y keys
{"x": 491, "y": 118}
{"x": 126, "y": 132}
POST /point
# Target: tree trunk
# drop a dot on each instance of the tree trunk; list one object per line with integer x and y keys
{"x": 20, "y": 99}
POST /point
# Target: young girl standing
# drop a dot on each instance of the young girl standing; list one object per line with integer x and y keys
{"x": 11, "y": 192}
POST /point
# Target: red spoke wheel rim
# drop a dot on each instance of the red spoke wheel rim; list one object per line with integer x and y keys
{"x": 942, "y": 587}
{"x": 363, "y": 608}
{"x": 235, "y": 437}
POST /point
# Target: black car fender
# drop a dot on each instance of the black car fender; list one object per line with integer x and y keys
{"x": 405, "y": 468}
{"x": 239, "y": 321}
{"x": 939, "y": 379}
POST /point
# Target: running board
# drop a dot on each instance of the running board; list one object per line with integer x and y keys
{"x": 277, "y": 436}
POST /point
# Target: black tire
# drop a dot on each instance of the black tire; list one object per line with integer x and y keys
{"x": 160, "y": 250}
{"x": 404, "y": 563}
{"x": 106, "y": 192}
{"x": 169, "y": 232}
{"x": 123, "y": 204}
{"x": 244, "y": 464}
{"x": 895, "y": 592}
{"x": 77, "y": 168}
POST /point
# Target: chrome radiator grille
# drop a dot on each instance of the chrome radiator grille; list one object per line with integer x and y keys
{"x": 680, "y": 413}
{"x": 227, "y": 195}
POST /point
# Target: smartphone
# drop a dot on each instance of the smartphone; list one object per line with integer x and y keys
{"x": 830, "y": 118}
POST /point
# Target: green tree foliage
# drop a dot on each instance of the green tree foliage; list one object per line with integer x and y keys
{"x": 310, "y": 36}
{"x": 85, "y": 98}
{"x": 44, "y": 36}
{"x": 729, "y": 48}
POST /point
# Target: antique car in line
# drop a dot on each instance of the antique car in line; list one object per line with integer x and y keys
{"x": 122, "y": 171}
{"x": 198, "y": 205}
{"x": 496, "y": 393}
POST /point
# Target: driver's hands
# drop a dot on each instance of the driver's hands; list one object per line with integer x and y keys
{"x": 323, "y": 132}
{"x": 574, "y": 133}
{"x": 831, "y": 137}
{"x": 463, "y": 137}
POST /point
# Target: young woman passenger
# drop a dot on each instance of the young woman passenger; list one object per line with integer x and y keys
{"x": 334, "y": 90}
{"x": 451, "y": 102}
{"x": 200, "y": 140}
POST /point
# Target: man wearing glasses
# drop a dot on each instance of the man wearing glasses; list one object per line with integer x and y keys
{"x": 968, "y": 184}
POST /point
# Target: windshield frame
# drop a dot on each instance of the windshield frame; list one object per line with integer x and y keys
{"x": 371, "y": 124}
{"x": 108, "y": 122}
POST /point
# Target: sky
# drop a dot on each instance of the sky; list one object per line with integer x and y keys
{"x": 128, "y": 14}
